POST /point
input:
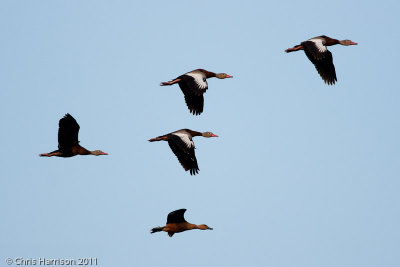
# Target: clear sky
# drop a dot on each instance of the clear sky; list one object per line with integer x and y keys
{"x": 303, "y": 174}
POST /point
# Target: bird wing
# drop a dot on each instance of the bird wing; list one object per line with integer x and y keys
{"x": 176, "y": 216}
{"x": 67, "y": 132}
{"x": 196, "y": 81}
{"x": 194, "y": 102}
{"x": 184, "y": 153}
{"x": 193, "y": 85}
{"x": 183, "y": 139}
{"x": 322, "y": 61}
{"x": 316, "y": 46}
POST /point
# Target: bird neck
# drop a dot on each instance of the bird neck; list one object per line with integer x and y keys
{"x": 331, "y": 41}
{"x": 192, "y": 226}
{"x": 208, "y": 74}
{"x": 194, "y": 133}
{"x": 79, "y": 150}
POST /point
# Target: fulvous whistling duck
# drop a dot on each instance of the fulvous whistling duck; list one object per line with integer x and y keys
{"x": 193, "y": 85}
{"x": 318, "y": 53}
{"x": 68, "y": 144}
{"x": 176, "y": 223}
{"x": 182, "y": 145}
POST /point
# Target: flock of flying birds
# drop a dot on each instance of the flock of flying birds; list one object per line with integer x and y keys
{"x": 193, "y": 85}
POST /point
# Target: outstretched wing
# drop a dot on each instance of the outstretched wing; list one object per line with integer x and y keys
{"x": 196, "y": 81}
{"x": 184, "y": 151}
{"x": 194, "y": 102}
{"x": 193, "y": 93}
{"x": 322, "y": 59}
{"x": 316, "y": 47}
{"x": 67, "y": 132}
{"x": 176, "y": 216}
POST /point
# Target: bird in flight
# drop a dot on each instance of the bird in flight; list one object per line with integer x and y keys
{"x": 193, "y": 85}
{"x": 68, "y": 144}
{"x": 317, "y": 52}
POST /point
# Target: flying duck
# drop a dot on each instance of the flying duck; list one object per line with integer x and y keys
{"x": 318, "y": 53}
{"x": 193, "y": 85}
{"x": 68, "y": 144}
{"x": 176, "y": 223}
{"x": 182, "y": 145}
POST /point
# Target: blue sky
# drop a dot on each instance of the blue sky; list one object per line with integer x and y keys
{"x": 303, "y": 174}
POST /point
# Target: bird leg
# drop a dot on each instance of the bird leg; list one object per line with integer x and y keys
{"x": 47, "y": 154}
{"x": 158, "y": 138}
{"x": 296, "y": 48}
{"x": 170, "y": 83}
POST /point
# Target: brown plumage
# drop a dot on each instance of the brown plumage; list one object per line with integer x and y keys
{"x": 182, "y": 145}
{"x": 176, "y": 223}
{"x": 68, "y": 144}
{"x": 317, "y": 52}
{"x": 193, "y": 85}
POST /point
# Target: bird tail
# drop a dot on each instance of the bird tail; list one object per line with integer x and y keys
{"x": 156, "y": 229}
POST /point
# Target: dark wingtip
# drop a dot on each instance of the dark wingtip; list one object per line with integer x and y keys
{"x": 330, "y": 82}
{"x": 195, "y": 112}
{"x": 194, "y": 171}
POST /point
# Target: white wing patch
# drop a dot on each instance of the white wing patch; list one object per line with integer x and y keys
{"x": 319, "y": 44}
{"x": 185, "y": 138}
{"x": 200, "y": 79}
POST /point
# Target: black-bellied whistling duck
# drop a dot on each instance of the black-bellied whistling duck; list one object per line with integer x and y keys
{"x": 193, "y": 85}
{"x": 176, "y": 223}
{"x": 318, "y": 53}
{"x": 68, "y": 144}
{"x": 182, "y": 145}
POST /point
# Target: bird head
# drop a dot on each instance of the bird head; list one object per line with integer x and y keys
{"x": 98, "y": 153}
{"x": 209, "y": 134}
{"x": 223, "y": 76}
{"x": 204, "y": 227}
{"x": 347, "y": 42}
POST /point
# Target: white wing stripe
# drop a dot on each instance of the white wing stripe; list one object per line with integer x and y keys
{"x": 319, "y": 45}
{"x": 199, "y": 79}
{"x": 185, "y": 138}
